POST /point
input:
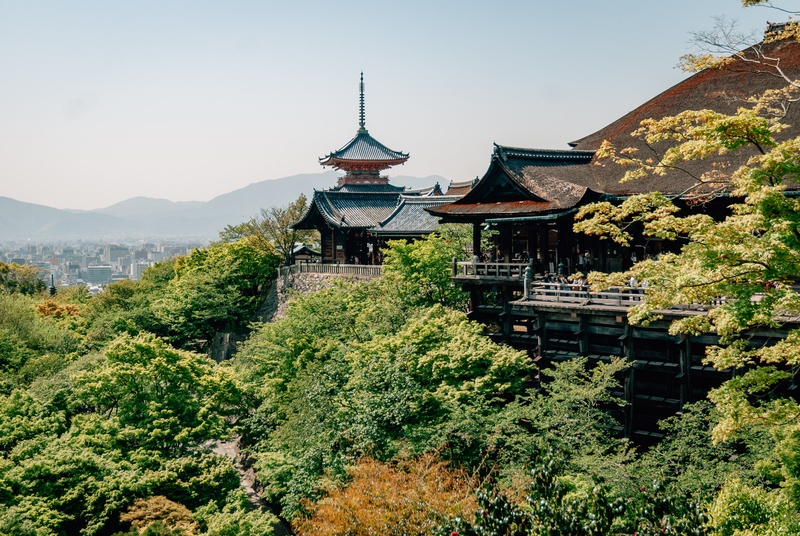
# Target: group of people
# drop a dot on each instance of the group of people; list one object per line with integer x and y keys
{"x": 576, "y": 282}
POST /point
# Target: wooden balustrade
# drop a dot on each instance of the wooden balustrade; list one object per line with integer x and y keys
{"x": 490, "y": 269}
{"x": 362, "y": 270}
{"x": 556, "y": 292}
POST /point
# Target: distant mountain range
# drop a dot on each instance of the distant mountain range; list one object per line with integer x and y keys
{"x": 148, "y": 218}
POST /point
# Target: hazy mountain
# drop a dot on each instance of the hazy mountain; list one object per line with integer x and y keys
{"x": 147, "y": 207}
{"x": 144, "y": 217}
{"x": 20, "y": 221}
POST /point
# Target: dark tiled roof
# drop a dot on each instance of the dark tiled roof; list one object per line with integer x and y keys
{"x": 364, "y": 147}
{"x": 410, "y": 217}
{"x": 460, "y": 188}
{"x": 304, "y": 250}
{"x": 359, "y": 210}
{"x": 434, "y": 190}
{"x": 722, "y": 90}
{"x": 524, "y": 182}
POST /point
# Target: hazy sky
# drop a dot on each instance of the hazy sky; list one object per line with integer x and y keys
{"x": 101, "y": 101}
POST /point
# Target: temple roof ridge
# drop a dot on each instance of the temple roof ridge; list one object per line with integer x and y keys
{"x": 504, "y": 152}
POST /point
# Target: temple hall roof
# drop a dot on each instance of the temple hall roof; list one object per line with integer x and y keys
{"x": 723, "y": 90}
{"x": 525, "y": 182}
{"x": 461, "y": 188}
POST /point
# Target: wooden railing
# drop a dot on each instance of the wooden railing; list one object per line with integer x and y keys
{"x": 616, "y": 296}
{"x": 489, "y": 269}
{"x": 363, "y": 270}
{"x": 555, "y": 292}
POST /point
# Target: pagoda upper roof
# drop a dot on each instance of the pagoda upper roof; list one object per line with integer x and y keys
{"x": 364, "y": 148}
{"x": 363, "y": 153}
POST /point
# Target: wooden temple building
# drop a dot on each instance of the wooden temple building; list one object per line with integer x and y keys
{"x": 526, "y": 202}
{"x": 356, "y": 217}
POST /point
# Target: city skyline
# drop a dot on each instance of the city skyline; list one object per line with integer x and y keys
{"x": 187, "y": 101}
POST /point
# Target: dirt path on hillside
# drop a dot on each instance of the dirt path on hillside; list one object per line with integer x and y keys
{"x": 248, "y": 481}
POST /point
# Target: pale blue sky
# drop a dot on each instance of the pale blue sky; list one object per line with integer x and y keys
{"x": 185, "y": 100}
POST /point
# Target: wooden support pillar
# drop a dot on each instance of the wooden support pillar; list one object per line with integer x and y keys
{"x": 505, "y": 316}
{"x": 630, "y": 378}
{"x": 476, "y": 239}
{"x": 544, "y": 241}
{"x": 583, "y": 335}
{"x": 474, "y": 301}
{"x": 565, "y": 241}
{"x": 541, "y": 331}
{"x": 532, "y": 242}
{"x": 505, "y": 242}
{"x": 684, "y": 377}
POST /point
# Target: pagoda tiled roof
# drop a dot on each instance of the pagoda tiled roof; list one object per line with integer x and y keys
{"x": 343, "y": 209}
{"x": 364, "y": 148}
{"x": 410, "y": 217}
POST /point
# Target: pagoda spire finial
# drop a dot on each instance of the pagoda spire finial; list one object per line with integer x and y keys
{"x": 361, "y": 121}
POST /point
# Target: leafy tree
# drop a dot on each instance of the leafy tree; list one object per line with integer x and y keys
{"x": 411, "y": 498}
{"x": 163, "y": 400}
{"x": 235, "y": 518}
{"x": 352, "y": 371}
{"x": 24, "y": 278}
{"x": 272, "y": 230}
{"x": 214, "y": 289}
{"x": 423, "y": 269}
{"x": 145, "y": 512}
{"x": 556, "y": 507}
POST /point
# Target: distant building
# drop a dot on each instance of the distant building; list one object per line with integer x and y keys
{"x": 136, "y": 270}
{"x": 114, "y": 252}
{"x": 99, "y": 274}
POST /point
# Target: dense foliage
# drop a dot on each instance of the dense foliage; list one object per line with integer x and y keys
{"x": 101, "y": 419}
{"x": 379, "y": 408}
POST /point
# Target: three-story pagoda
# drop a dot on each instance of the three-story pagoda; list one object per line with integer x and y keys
{"x": 357, "y": 216}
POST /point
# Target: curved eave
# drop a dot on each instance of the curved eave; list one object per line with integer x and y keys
{"x": 476, "y": 194}
{"x": 306, "y": 222}
{"x": 345, "y": 163}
